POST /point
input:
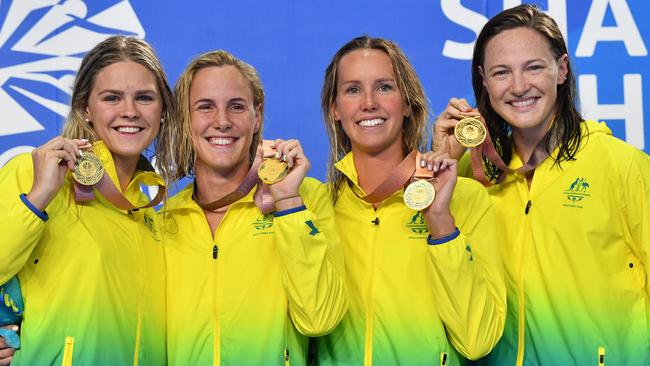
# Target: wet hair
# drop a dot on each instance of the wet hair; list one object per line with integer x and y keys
{"x": 110, "y": 51}
{"x": 565, "y": 131}
{"x": 409, "y": 85}
{"x": 181, "y": 157}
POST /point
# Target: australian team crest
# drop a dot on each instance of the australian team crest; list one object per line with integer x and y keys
{"x": 417, "y": 224}
{"x": 577, "y": 191}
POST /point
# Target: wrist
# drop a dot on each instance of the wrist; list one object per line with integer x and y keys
{"x": 287, "y": 202}
{"x": 442, "y": 225}
{"x": 38, "y": 199}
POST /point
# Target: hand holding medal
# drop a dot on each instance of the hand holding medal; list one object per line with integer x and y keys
{"x": 287, "y": 169}
{"x": 51, "y": 162}
{"x": 443, "y": 172}
{"x": 470, "y": 131}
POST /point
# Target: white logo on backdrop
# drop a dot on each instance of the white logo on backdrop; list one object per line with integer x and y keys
{"x": 41, "y": 46}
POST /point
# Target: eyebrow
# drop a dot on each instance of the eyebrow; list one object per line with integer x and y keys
{"x": 121, "y": 92}
{"x": 382, "y": 80}
{"x": 208, "y": 100}
{"x": 525, "y": 63}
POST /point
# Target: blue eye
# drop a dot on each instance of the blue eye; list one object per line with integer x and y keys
{"x": 145, "y": 98}
{"x": 353, "y": 90}
{"x": 111, "y": 98}
{"x": 385, "y": 88}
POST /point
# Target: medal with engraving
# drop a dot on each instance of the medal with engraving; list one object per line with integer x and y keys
{"x": 272, "y": 170}
{"x": 470, "y": 132}
{"x": 88, "y": 170}
{"x": 419, "y": 195}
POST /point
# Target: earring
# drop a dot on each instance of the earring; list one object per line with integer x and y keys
{"x": 86, "y": 120}
{"x": 161, "y": 120}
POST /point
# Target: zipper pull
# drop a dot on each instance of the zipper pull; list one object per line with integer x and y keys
{"x": 530, "y": 203}
{"x": 443, "y": 358}
{"x": 215, "y": 251}
{"x": 601, "y": 356}
{"x": 286, "y": 356}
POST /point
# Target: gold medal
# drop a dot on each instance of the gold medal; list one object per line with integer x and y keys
{"x": 272, "y": 170}
{"x": 88, "y": 170}
{"x": 470, "y": 132}
{"x": 419, "y": 195}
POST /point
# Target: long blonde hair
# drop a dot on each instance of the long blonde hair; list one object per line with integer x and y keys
{"x": 113, "y": 50}
{"x": 408, "y": 83}
{"x": 180, "y": 159}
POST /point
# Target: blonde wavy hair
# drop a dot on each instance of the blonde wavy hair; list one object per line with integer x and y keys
{"x": 113, "y": 50}
{"x": 414, "y": 128}
{"x": 180, "y": 159}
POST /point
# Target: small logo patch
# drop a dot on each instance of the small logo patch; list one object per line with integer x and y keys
{"x": 577, "y": 192}
{"x": 263, "y": 222}
{"x": 151, "y": 226}
{"x": 313, "y": 228}
{"x": 417, "y": 225}
{"x": 469, "y": 250}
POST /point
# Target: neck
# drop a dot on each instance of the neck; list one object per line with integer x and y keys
{"x": 212, "y": 184}
{"x": 526, "y": 140}
{"x": 373, "y": 169}
{"x": 125, "y": 168}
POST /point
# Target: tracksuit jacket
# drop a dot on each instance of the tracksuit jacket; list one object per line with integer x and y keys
{"x": 250, "y": 294}
{"x": 577, "y": 252}
{"x": 414, "y": 301}
{"x": 87, "y": 271}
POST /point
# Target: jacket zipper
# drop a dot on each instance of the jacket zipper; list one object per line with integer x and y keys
{"x": 520, "y": 293}
{"x": 601, "y": 356}
{"x": 138, "y": 334}
{"x": 286, "y": 356}
{"x": 370, "y": 316}
{"x": 68, "y": 349}
{"x": 215, "y": 312}
{"x": 443, "y": 358}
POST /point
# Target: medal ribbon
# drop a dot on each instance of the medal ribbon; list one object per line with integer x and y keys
{"x": 420, "y": 172}
{"x": 487, "y": 149}
{"x": 395, "y": 181}
{"x": 262, "y": 195}
{"x": 106, "y": 187}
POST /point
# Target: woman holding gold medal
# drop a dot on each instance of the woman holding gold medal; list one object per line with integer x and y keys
{"x": 252, "y": 249}
{"x": 573, "y": 198}
{"x": 426, "y": 286}
{"x": 78, "y": 232}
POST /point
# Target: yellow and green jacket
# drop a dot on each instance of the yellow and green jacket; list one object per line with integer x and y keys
{"x": 577, "y": 257}
{"x": 412, "y": 302}
{"x": 251, "y": 293}
{"x": 87, "y": 271}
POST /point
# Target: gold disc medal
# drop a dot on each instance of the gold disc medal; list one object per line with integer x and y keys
{"x": 272, "y": 170}
{"x": 470, "y": 132}
{"x": 88, "y": 170}
{"x": 419, "y": 195}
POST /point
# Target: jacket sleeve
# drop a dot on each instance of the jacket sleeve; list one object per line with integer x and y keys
{"x": 22, "y": 228}
{"x": 469, "y": 277}
{"x": 309, "y": 248}
{"x": 635, "y": 191}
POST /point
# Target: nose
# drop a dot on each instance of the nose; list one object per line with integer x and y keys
{"x": 221, "y": 120}
{"x": 369, "y": 102}
{"x": 519, "y": 84}
{"x": 130, "y": 110}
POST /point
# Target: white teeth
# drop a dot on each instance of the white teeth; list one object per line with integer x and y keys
{"x": 523, "y": 103}
{"x": 125, "y": 129}
{"x": 221, "y": 140}
{"x": 372, "y": 122}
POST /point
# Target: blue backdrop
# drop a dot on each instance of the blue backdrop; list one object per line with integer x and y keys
{"x": 291, "y": 42}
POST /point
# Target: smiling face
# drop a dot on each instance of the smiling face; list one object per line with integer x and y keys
{"x": 521, "y": 76}
{"x": 124, "y": 107}
{"x": 223, "y": 119}
{"x": 369, "y": 103}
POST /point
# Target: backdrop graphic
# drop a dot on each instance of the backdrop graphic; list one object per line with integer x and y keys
{"x": 290, "y": 42}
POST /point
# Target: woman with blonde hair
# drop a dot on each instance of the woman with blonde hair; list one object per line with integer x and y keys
{"x": 246, "y": 286}
{"x": 87, "y": 251}
{"x": 426, "y": 286}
